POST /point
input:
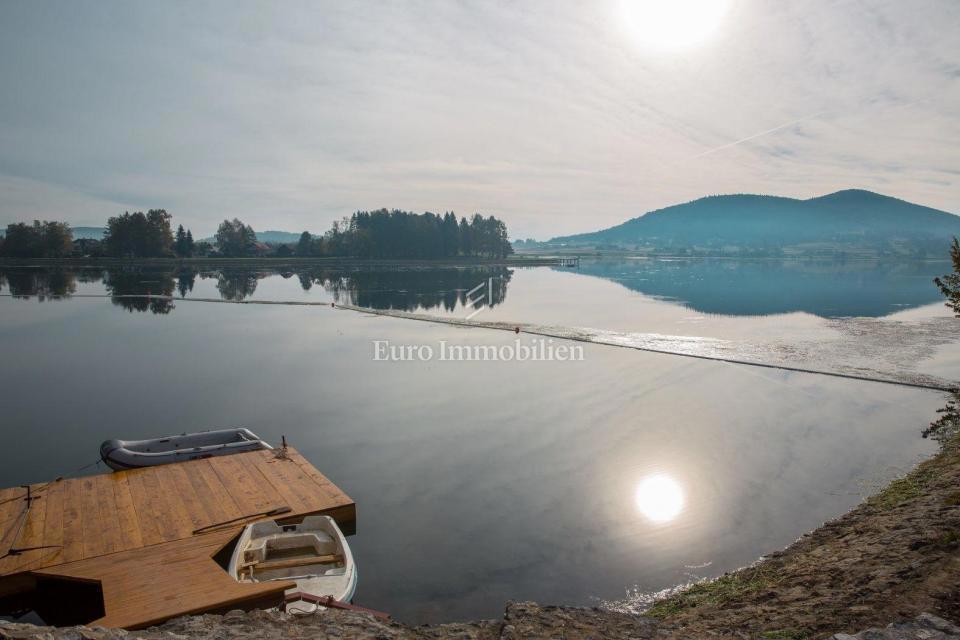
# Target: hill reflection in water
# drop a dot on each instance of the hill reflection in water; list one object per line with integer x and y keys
{"x": 828, "y": 289}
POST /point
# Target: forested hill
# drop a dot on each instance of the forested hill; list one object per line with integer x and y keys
{"x": 851, "y": 219}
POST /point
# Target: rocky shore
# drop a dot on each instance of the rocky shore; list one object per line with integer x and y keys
{"x": 888, "y": 570}
{"x": 521, "y": 620}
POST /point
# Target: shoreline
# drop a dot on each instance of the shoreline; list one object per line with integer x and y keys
{"x": 893, "y": 559}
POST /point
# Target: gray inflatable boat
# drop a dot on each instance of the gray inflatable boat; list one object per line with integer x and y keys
{"x": 134, "y": 454}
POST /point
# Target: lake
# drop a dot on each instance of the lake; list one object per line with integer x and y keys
{"x": 585, "y": 481}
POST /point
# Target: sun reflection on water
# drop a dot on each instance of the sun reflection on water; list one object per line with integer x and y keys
{"x": 659, "y": 497}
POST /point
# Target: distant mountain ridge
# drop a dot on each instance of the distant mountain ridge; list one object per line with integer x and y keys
{"x": 272, "y": 237}
{"x": 845, "y": 220}
{"x": 88, "y": 233}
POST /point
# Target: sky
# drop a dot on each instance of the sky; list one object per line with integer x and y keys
{"x": 558, "y": 117}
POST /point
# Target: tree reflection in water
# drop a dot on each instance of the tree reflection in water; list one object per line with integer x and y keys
{"x": 151, "y": 288}
{"x": 42, "y": 284}
{"x": 135, "y": 289}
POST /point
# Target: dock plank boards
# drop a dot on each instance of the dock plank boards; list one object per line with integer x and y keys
{"x": 11, "y": 511}
{"x": 250, "y": 492}
{"x": 146, "y": 586}
{"x": 219, "y": 503}
{"x": 134, "y": 530}
{"x": 127, "y": 518}
{"x": 53, "y": 523}
{"x": 72, "y": 523}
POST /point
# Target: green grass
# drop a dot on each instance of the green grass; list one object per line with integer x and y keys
{"x": 726, "y": 588}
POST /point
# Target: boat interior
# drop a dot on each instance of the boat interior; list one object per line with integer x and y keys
{"x": 286, "y": 556}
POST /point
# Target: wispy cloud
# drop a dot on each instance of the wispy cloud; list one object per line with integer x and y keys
{"x": 545, "y": 113}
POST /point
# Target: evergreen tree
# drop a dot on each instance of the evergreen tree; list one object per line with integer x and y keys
{"x": 305, "y": 244}
{"x": 180, "y": 243}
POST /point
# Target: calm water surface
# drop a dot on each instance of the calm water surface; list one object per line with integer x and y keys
{"x": 479, "y": 482}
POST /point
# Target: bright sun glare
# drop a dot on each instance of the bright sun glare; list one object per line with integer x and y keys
{"x": 672, "y": 24}
{"x": 659, "y": 498}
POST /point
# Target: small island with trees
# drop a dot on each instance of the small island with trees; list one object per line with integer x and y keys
{"x": 373, "y": 235}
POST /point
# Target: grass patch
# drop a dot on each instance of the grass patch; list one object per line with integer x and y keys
{"x": 724, "y": 589}
{"x": 913, "y": 485}
{"x": 953, "y": 499}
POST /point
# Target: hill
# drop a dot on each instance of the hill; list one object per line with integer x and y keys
{"x": 88, "y": 233}
{"x": 272, "y": 237}
{"x": 93, "y": 233}
{"x": 278, "y": 237}
{"x": 850, "y": 220}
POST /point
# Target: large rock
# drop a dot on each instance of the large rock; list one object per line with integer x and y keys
{"x": 925, "y": 627}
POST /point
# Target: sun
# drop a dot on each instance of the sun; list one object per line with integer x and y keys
{"x": 659, "y": 498}
{"x": 672, "y": 24}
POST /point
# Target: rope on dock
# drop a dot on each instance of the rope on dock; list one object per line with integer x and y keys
{"x": 539, "y": 330}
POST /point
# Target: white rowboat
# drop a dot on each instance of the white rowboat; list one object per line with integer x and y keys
{"x": 314, "y": 554}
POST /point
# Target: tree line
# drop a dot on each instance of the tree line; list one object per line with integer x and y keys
{"x": 365, "y": 234}
{"x": 401, "y": 234}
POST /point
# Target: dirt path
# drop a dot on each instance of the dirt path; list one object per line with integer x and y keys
{"x": 891, "y": 558}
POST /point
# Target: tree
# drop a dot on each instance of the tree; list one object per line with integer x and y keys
{"x": 949, "y": 284}
{"x": 180, "y": 243}
{"x": 947, "y": 426}
{"x": 305, "y": 244}
{"x": 139, "y": 235}
{"x": 235, "y": 239}
{"x": 400, "y": 234}
{"x": 45, "y": 239}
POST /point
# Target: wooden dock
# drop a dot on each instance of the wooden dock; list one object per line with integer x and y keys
{"x": 149, "y": 537}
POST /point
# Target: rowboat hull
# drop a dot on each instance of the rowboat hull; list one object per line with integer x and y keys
{"x": 314, "y": 554}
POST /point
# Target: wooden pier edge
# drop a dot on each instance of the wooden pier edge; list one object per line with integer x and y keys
{"x": 134, "y": 532}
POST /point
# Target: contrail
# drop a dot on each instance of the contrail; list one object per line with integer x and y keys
{"x": 755, "y": 136}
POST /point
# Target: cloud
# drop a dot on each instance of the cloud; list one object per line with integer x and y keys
{"x": 544, "y": 113}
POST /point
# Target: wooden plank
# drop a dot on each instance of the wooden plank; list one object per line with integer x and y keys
{"x": 146, "y": 586}
{"x": 252, "y": 497}
{"x": 11, "y": 513}
{"x": 72, "y": 522}
{"x": 330, "y": 489}
{"x": 195, "y": 506}
{"x": 109, "y": 522}
{"x": 126, "y": 515}
{"x": 148, "y": 514}
{"x": 296, "y": 562}
{"x": 91, "y": 523}
{"x": 221, "y": 506}
{"x": 288, "y": 483}
{"x": 178, "y": 515}
{"x": 53, "y": 523}
{"x": 30, "y": 534}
